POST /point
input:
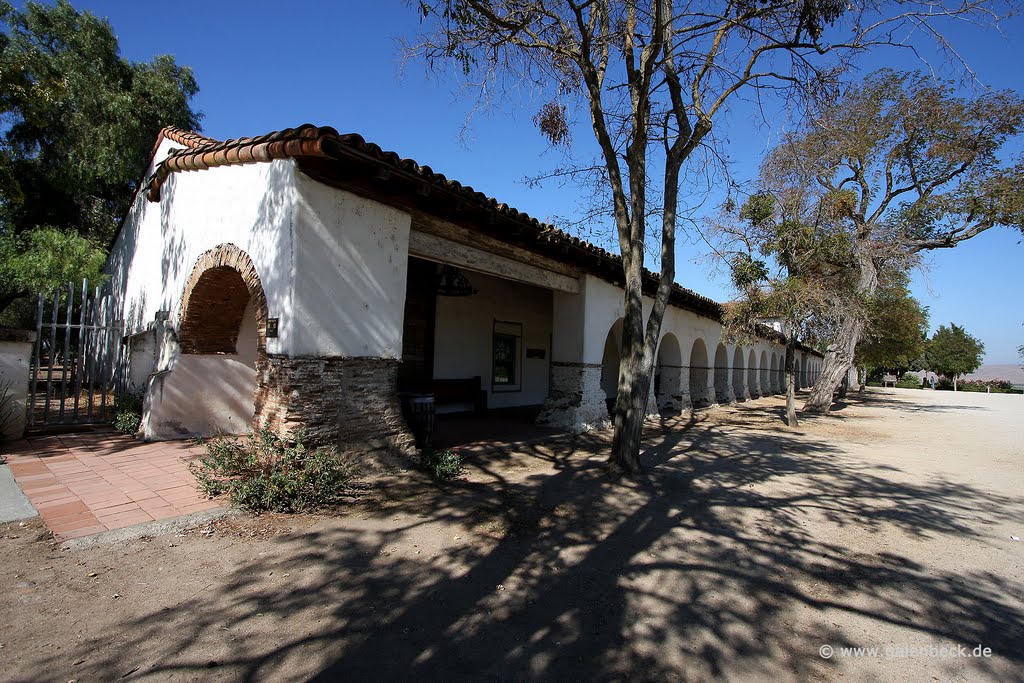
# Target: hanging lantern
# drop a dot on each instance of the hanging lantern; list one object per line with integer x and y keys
{"x": 451, "y": 282}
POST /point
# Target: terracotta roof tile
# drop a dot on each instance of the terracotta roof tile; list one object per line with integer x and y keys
{"x": 315, "y": 142}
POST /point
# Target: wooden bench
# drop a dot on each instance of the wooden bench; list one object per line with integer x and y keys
{"x": 454, "y": 391}
{"x": 468, "y": 390}
{"x": 889, "y": 379}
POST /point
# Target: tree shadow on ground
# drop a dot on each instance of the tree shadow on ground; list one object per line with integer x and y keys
{"x": 702, "y": 567}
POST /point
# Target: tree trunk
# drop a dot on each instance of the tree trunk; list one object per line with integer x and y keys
{"x": 636, "y": 366}
{"x": 791, "y": 420}
{"x": 837, "y": 363}
{"x": 840, "y": 353}
{"x": 630, "y": 411}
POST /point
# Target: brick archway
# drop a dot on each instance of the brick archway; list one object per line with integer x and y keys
{"x": 222, "y": 283}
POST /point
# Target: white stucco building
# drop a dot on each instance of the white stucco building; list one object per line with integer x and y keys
{"x": 304, "y": 278}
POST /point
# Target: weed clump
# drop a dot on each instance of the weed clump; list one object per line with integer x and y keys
{"x": 443, "y": 465}
{"x": 128, "y": 414}
{"x": 266, "y": 473}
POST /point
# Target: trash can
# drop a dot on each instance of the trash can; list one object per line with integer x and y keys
{"x": 419, "y": 415}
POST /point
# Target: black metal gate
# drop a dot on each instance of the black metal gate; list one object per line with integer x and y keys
{"x": 75, "y": 376}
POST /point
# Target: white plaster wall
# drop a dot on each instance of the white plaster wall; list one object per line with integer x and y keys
{"x": 204, "y": 394}
{"x": 600, "y": 305}
{"x": 351, "y": 256}
{"x": 250, "y": 206}
{"x": 332, "y": 264}
{"x": 142, "y": 350}
{"x": 568, "y": 320}
{"x": 687, "y": 326}
{"x": 14, "y": 377}
{"x": 582, "y": 321}
{"x": 464, "y": 331}
{"x": 604, "y": 307}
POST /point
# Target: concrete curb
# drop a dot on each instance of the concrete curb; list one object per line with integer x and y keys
{"x": 160, "y": 527}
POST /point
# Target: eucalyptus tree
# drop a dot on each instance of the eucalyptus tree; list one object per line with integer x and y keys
{"x": 653, "y": 79}
{"x": 920, "y": 168}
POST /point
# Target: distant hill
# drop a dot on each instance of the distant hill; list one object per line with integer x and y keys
{"x": 1011, "y": 372}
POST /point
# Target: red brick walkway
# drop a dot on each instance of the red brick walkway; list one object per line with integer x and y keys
{"x": 86, "y": 483}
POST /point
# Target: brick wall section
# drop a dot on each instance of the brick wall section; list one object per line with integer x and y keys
{"x": 349, "y": 402}
{"x": 214, "y": 317}
{"x": 216, "y": 294}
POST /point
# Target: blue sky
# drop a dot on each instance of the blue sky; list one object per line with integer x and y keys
{"x": 268, "y": 65}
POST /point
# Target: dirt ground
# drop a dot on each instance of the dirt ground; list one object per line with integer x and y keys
{"x": 742, "y": 551}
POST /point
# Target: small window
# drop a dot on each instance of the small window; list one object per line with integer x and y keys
{"x": 505, "y": 351}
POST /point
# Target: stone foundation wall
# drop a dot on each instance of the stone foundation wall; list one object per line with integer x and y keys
{"x": 575, "y": 398}
{"x": 753, "y": 391}
{"x": 673, "y": 399}
{"x": 348, "y": 402}
{"x": 723, "y": 387}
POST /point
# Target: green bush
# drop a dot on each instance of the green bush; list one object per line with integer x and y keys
{"x": 442, "y": 465}
{"x": 264, "y": 472}
{"x": 128, "y": 414}
{"x": 909, "y": 382}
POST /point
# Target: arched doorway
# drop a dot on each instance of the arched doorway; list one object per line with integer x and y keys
{"x": 209, "y": 384}
{"x": 752, "y": 375}
{"x": 668, "y": 390}
{"x": 776, "y": 383}
{"x": 765, "y": 385}
{"x": 610, "y": 365}
{"x": 699, "y": 394}
{"x": 722, "y": 374}
{"x": 737, "y": 374}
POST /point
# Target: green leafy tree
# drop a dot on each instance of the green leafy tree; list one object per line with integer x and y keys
{"x": 896, "y": 332}
{"x": 952, "y": 352}
{"x": 46, "y": 256}
{"x": 786, "y": 256}
{"x": 653, "y": 79}
{"x": 923, "y": 168}
{"x": 78, "y": 126}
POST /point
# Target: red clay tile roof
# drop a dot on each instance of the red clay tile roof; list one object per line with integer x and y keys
{"x": 183, "y": 137}
{"x": 309, "y": 142}
{"x": 202, "y": 153}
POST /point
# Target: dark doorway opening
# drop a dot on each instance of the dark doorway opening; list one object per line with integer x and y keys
{"x": 417, "y": 367}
